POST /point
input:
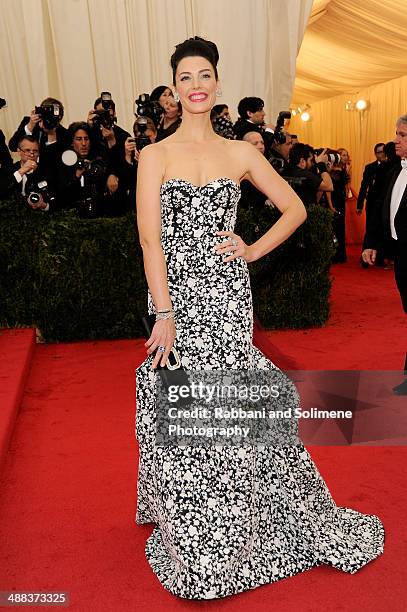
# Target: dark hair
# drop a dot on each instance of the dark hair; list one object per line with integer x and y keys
{"x": 28, "y": 137}
{"x": 390, "y": 150}
{"x": 242, "y": 128}
{"x": 195, "y": 47}
{"x": 158, "y": 92}
{"x": 219, "y": 108}
{"x": 99, "y": 101}
{"x": 251, "y": 104}
{"x": 298, "y": 152}
{"x": 79, "y": 125}
{"x": 379, "y": 144}
{"x": 49, "y": 101}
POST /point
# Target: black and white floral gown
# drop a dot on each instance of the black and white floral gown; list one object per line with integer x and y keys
{"x": 229, "y": 519}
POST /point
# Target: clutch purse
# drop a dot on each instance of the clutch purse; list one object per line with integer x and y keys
{"x": 173, "y": 363}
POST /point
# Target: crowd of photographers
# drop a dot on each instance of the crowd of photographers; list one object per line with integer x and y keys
{"x": 92, "y": 165}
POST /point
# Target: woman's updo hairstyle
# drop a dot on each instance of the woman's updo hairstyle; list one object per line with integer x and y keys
{"x": 195, "y": 47}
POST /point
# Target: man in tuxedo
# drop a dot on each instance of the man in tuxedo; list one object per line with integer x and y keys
{"x": 367, "y": 192}
{"x": 390, "y": 222}
{"x": 106, "y": 132}
{"x": 368, "y": 179}
{"x": 26, "y": 175}
{"x": 251, "y": 119}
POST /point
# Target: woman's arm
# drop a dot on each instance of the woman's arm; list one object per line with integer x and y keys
{"x": 265, "y": 178}
{"x": 149, "y": 177}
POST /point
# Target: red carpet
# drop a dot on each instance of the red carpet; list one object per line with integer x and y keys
{"x": 367, "y": 329}
{"x": 16, "y": 353}
{"x": 68, "y": 488}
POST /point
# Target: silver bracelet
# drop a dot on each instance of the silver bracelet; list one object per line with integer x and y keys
{"x": 162, "y": 316}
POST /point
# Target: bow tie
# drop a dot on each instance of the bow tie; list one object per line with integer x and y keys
{"x": 404, "y": 163}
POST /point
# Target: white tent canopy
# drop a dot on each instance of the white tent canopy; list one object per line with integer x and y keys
{"x": 74, "y": 49}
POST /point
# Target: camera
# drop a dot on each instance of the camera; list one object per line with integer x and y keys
{"x": 43, "y": 192}
{"x": 50, "y": 115}
{"x": 277, "y": 164}
{"x": 3, "y": 103}
{"x": 333, "y": 156}
{"x": 104, "y": 116}
{"x": 145, "y": 107}
{"x": 88, "y": 207}
{"x": 279, "y": 136}
{"x": 142, "y": 140}
{"x": 94, "y": 169}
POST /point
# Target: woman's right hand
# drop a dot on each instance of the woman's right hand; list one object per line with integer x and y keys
{"x": 163, "y": 334}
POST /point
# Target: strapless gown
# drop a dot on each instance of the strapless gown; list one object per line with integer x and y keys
{"x": 228, "y": 519}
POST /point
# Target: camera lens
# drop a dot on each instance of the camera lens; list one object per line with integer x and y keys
{"x": 33, "y": 198}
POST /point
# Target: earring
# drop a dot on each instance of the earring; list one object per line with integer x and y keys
{"x": 176, "y": 96}
{"x": 218, "y": 92}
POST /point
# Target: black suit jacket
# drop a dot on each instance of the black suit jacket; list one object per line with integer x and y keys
{"x": 243, "y": 126}
{"x": 5, "y": 157}
{"x": 10, "y": 186}
{"x": 62, "y": 135}
{"x": 378, "y": 229}
{"x": 115, "y": 154}
{"x": 368, "y": 180}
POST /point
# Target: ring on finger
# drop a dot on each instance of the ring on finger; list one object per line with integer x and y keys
{"x": 161, "y": 349}
{"x": 234, "y": 242}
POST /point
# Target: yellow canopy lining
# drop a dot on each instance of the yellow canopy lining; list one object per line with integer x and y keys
{"x": 349, "y": 45}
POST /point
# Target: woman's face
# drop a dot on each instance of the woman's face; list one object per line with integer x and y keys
{"x": 344, "y": 156}
{"x": 225, "y": 113}
{"x": 167, "y": 93}
{"x": 171, "y": 108}
{"x": 196, "y": 84}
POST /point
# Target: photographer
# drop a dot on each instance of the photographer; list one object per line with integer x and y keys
{"x": 220, "y": 110}
{"x": 340, "y": 179}
{"x": 145, "y": 133}
{"x": 160, "y": 94}
{"x": 251, "y": 197}
{"x": 169, "y": 116}
{"x": 279, "y": 153}
{"x": 102, "y": 121}
{"x": 28, "y": 178}
{"x": 44, "y": 124}
{"x": 251, "y": 119}
{"x": 83, "y": 173}
{"x": 170, "y": 120}
{"x": 301, "y": 177}
{"x": 5, "y": 157}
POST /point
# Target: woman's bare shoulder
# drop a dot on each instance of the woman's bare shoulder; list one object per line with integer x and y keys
{"x": 152, "y": 151}
{"x": 239, "y": 147}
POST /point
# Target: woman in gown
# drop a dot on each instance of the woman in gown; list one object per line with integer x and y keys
{"x": 228, "y": 518}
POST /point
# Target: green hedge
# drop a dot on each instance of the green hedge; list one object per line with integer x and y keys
{"x": 83, "y": 279}
{"x": 291, "y": 285}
